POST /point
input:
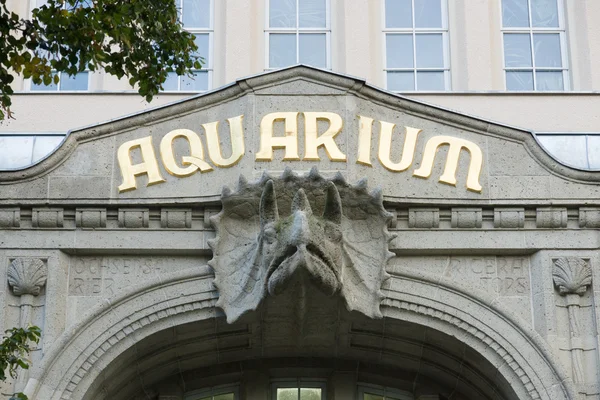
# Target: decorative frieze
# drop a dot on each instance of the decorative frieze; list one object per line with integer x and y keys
{"x": 175, "y": 218}
{"x": 47, "y": 217}
{"x": 10, "y": 217}
{"x": 551, "y": 217}
{"x": 466, "y": 218}
{"x": 27, "y": 276}
{"x": 90, "y": 218}
{"x": 424, "y": 218}
{"x": 134, "y": 218}
{"x": 509, "y": 218}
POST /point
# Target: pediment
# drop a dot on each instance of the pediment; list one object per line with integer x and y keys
{"x": 298, "y": 118}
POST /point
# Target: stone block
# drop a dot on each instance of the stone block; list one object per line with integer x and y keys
{"x": 509, "y": 217}
{"x": 466, "y": 218}
{"x": 424, "y": 218}
{"x": 47, "y": 217}
{"x": 10, "y": 217}
{"x": 90, "y": 217}
{"x": 176, "y": 218}
{"x": 134, "y": 217}
{"x": 589, "y": 217}
{"x": 551, "y": 217}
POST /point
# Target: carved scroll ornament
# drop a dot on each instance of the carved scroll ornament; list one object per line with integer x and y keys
{"x": 572, "y": 275}
{"x": 27, "y": 276}
{"x": 295, "y": 230}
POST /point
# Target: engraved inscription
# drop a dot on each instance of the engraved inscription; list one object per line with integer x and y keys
{"x": 506, "y": 276}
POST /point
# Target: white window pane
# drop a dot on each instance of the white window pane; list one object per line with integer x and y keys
{"x": 569, "y": 149}
{"x": 313, "y": 49}
{"x": 287, "y": 394}
{"x": 44, "y": 145}
{"x": 594, "y": 151}
{"x": 171, "y": 82}
{"x": 282, "y": 50}
{"x": 42, "y": 87}
{"x": 517, "y": 50}
{"x": 196, "y": 13}
{"x": 282, "y": 13}
{"x": 310, "y": 394}
{"x": 430, "y": 51}
{"x": 519, "y": 80}
{"x": 544, "y": 13}
{"x": 312, "y": 14}
{"x": 77, "y": 82}
{"x": 515, "y": 13}
{"x": 398, "y": 14}
{"x": 203, "y": 49}
{"x": 549, "y": 80}
{"x": 430, "y": 80}
{"x": 547, "y": 50}
{"x": 399, "y": 51}
{"x": 428, "y": 13}
{"x": 15, "y": 151}
{"x": 400, "y": 81}
{"x": 197, "y": 83}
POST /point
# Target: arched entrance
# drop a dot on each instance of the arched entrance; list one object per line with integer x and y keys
{"x": 168, "y": 336}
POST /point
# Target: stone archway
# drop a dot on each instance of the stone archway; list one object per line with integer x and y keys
{"x": 90, "y": 353}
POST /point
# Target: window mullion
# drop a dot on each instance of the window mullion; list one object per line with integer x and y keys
{"x": 414, "y": 38}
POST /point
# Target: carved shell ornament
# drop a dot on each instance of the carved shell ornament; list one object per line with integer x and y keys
{"x": 27, "y": 276}
{"x": 300, "y": 230}
{"x": 572, "y": 275}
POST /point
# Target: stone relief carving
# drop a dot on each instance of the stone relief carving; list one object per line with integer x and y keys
{"x": 572, "y": 276}
{"x": 27, "y": 276}
{"x": 300, "y": 231}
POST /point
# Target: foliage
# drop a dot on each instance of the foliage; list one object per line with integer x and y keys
{"x": 14, "y": 348}
{"x": 142, "y": 40}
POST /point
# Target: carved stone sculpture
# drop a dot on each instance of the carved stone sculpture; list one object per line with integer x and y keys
{"x": 295, "y": 231}
{"x": 27, "y": 276}
{"x": 571, "y": 275}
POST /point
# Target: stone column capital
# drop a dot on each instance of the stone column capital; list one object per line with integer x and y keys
{"x": 571, "y": 275}
{"x": 27, "y": 275}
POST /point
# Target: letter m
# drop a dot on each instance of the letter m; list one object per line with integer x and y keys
{"x": 455, "y": 145}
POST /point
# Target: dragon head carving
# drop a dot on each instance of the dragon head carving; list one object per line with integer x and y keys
{"x": 271, "y": 238}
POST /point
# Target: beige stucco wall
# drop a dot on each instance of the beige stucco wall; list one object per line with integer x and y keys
{"x": 357, "y": 45}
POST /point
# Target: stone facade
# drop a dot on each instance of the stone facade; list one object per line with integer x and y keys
{"x": 469, "y": 273}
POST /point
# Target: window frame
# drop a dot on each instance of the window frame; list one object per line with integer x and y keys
{"x": 297, "y": 31}
{"x": 208, "y": 67}
{"x": 379, "y": 390}
{"x": 413, "y": 31}
{"x": 213, "y": 391}
{"x": 299, "y": 383}
{"x": 531, "y": 30}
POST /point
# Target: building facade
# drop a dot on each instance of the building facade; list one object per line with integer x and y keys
{"x": 303, "y": 233}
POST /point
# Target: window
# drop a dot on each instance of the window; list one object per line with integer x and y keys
{"x": 196, "y": 16}
{"x": 534, "y": 45}
{"x": 299, "y": 390}
{"x": 416, "y": 45}
{"x": 372, "y": 392}
{"x": 214, "y": 393}
{"x": 298, "y": 32}
{"x": 578, "y": 150}
{"x": 78, "y": 82}
{"x": 19, "y": 150}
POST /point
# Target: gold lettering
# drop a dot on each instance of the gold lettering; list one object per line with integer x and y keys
{"x": 385, "y": 147}
{"x": 365, "y": 132}
{"x": 455, "y": 145}
{"x": 289, "y": 141}
{"x": 149, "y": 165}
{"x": 313, "y": 141}
{"x": 236, "y": 132}
{"x": 195, "y": 161}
